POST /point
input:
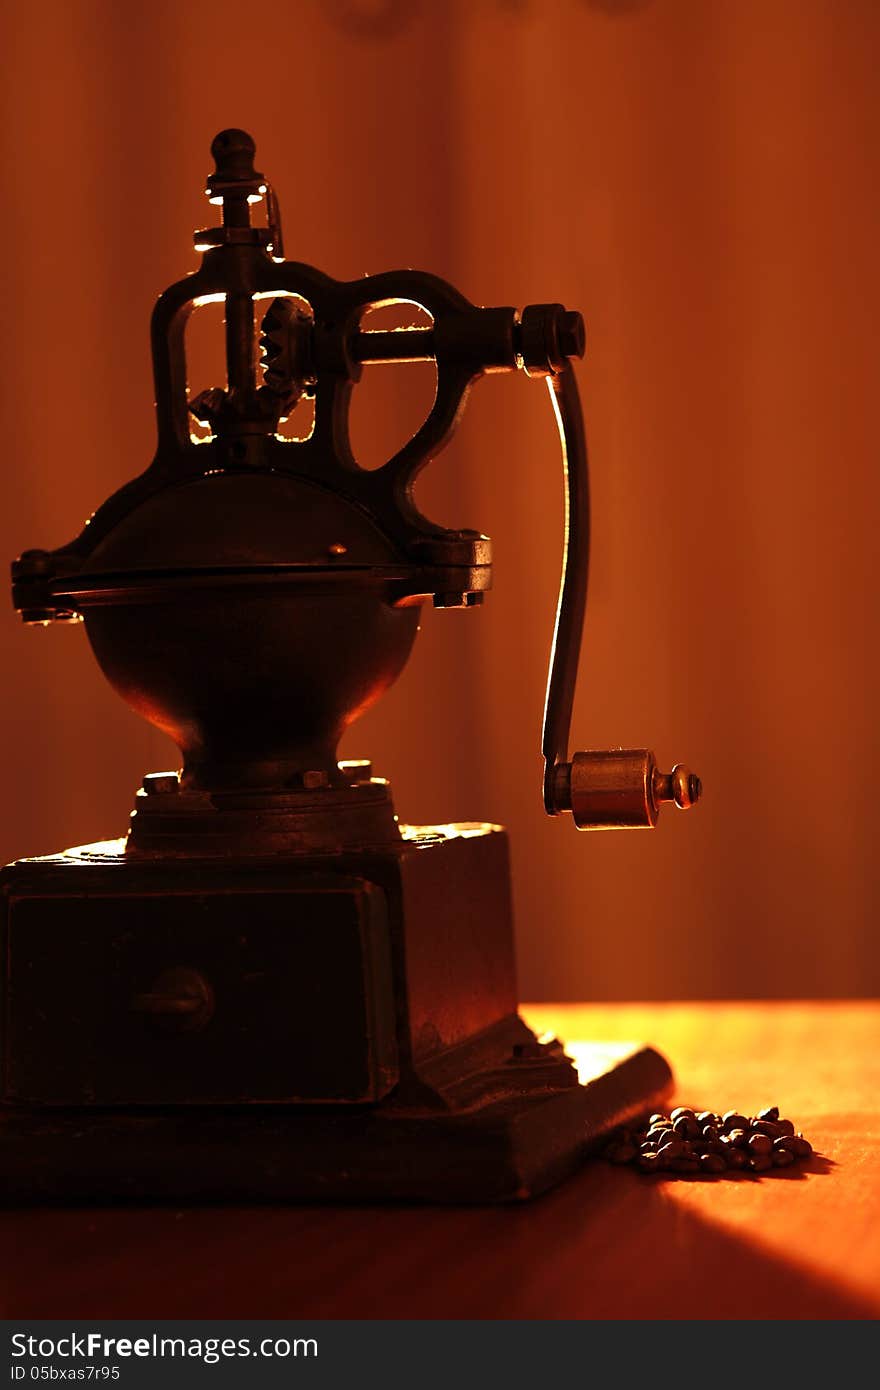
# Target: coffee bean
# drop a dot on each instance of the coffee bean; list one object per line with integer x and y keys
{"x": 782, "y": 1158}
{"x": 681, "y": 1110}
{"x": 733, "y": 1120}
{"x": 686, "y": 1127}
{"x": 712, "y": 1163}
{"x": 767, "y": 1127}
{"x": 739, "y": 1138}
{"x": 673, "y": 1148}
{"x": 735, "y": 1158}
{"x": 657, "y": 1119}
{"x": 707, "y": 1117}
{"x": 785, "y": 1126}
{"x": 685, "y": 1164}
{"x": 794, "y": 1144}
{"x": 771, "y": 1113}
{"x": 658, "y": 1136}
{"x": 650, "y": 1163}
{"x": 760, "y": 1163}
{"x": 760, "y": 1144}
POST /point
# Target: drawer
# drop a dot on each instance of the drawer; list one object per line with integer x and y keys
{"x": 200, "y": 997}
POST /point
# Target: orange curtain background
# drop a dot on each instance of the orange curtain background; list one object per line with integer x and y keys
{"x": 700, "y": 177}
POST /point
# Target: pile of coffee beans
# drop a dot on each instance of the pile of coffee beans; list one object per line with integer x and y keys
{"x": 699, "y": 1143}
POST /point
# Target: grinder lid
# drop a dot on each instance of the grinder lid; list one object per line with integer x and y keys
{"x": 230, "y": 528}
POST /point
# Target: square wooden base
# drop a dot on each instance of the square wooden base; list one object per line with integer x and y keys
{"x": 498, "y": 1151}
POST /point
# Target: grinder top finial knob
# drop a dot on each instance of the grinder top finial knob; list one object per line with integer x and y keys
{"x": 233, "y": 152}
{"x": 234, "y": 175}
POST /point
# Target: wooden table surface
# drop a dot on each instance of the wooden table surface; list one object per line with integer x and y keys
{"x": 609, "y": 1244}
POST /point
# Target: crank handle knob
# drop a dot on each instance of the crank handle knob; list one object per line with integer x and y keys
{"x": 620, "y": 789}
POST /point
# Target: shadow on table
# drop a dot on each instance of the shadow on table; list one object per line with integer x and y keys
{"x": 607, "y": 1245}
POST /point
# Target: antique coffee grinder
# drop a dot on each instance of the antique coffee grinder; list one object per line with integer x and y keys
{"x": 272, "y": 989}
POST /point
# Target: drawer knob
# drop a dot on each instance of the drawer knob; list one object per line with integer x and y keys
{"x": 180, "y": 1001}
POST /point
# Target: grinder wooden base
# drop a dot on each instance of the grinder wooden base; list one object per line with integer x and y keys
{"x": 502, "y": 1151}
{"x": 310, "y": 1027}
